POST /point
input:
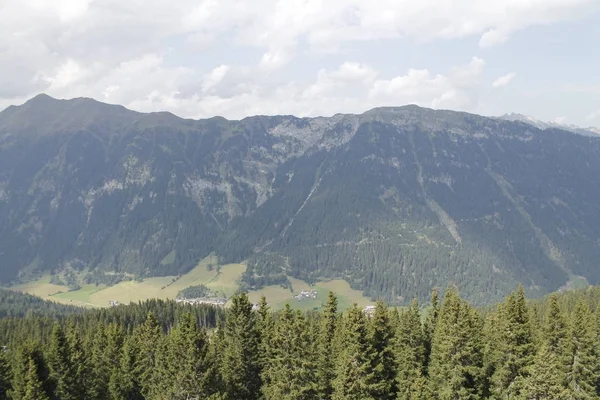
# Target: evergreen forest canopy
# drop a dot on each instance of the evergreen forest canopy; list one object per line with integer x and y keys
{"x": 519, "y": 349}
{"x": 395, "y": 201}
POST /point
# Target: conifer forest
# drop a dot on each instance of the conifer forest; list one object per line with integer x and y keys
{"x": 446, "y": 350}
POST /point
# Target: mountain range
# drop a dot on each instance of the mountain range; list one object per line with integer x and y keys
{"x": 395, "y": 200}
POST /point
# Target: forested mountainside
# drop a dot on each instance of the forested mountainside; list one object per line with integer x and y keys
{"x": 395, "y": 201}
{"x": 546, "y": 349}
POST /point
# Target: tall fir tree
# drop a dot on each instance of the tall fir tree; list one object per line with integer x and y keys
{"x": 187, "y": 361}
{"x": 383, "y": 384}
{"x": 545, "y": 382}
{"x": 78, "y": 361}
{"x": 97, "y": 387}
{"x": 456, "y": 367}
{"x": 59, "y": 362}
{"x": 429, "y": 327}
{"x": 240, "y": 362}
{"x": 149, "y": 339}
{"x": 410, "y": 354}
{"x": 34, "y": 388}
{"x": 326, "y": 362}
{"x": 581, "y": 374}
{"x": 30, "y": 372}
{"x": 124, "y": 381}
{"x": 354, "y": 366}
{"x": 515, "y": 347}
{"x": 291, "y": 369}
{"x": 5, "y": 375}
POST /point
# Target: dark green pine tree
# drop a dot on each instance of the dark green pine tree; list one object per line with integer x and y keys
{"x": 59, "y": 362}
{"x": 149, "y": 340}
{"x": 34, "y": 388}
{"x": 515, "y": 347}
{"x": 265, "y": 327}
{"x": 99, "y": 373}
{"x": 581, "y": 369}
{"x": 78, "y": 362}
{"x": 545, "y": 382}
{"x": 5, "y": 375}
{"x": 325, "y": 347}
{"x": 291, "y": 369}
{"x": 30, "y": 372}
{"x": 354, "y": 365}
{"x": 240, "y": 362}
{"x": 409, "y": 346}
{"x": 383, "y": 384}
{"x": 187, "y": 361}
{"x": 555, "y": 330}
{"x": 124, "y": 382}
{"x": 456, "y": 367}
{"x": 429, "y": 327}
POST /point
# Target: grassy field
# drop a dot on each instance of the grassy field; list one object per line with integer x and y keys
{"x": 222, "y": 279}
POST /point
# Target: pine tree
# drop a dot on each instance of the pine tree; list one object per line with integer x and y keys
{"x": 456, "y": 367}
{"x": 240, "y": 363}
{"x": 410, "y": 354}
{"x": 30, "y": 372}
{"x": 555, "y": 332}
{"x": 97, "y": 387}
{"x": 429, "y": 327}
{"x": 34, "y": 389}
{"x": 187, "y": 360}
{"x": 326, "y": 362}
{"x": 59, "y": 362}
{"x": 78, "y": 362}
{"x": 545, "y": 380}
{"x": 515, "y": 347}
{"x": 124, "y": 382}
{"x": 581, "y": 376}
{"x": 383, "y": 385}
{"x": 265, "y": 327}
{"x": 291, "y": 369}
{"x": 149, "y": 342}
{"x": 5, "y": 375}
{"x": 354, "y": 371}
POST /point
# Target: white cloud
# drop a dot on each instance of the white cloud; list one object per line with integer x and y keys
{"x": 593, "y": 115}
{"x": 560, "y": 120}
{"x": 504, "y": 80}
{"x": 151, "y": 54}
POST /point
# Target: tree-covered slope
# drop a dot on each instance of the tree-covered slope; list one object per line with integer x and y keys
{"x": 396, "y": 200}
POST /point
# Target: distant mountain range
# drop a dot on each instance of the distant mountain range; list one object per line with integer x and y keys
{"x": 395, "y": 200}
{"x": 590, "y": 131}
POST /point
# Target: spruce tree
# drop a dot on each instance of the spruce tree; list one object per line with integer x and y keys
{"x": 429, "y": 327}
{"x": 354, "y": 367}
{"x": 30, "y": 372}
{"x": 581, "y": 375}
{"x": 545, "y": 382}
{"x": 97, "y": 387}
{"x": 78, "y": 362}
{"x": 555, "y": 330}
{"x": 59, "y": 362}
{"x": 5, "y": 375}
{"x": 456, "y": 367}
{"x": 240, "y": 362}
{"x": 515, "y": 346}
{"x": 187, "y": 360}
{"x": 326, "y": 362}
{"x": 410, "y": 354}
{"x": 124, "y": 381}
{"x": 34, "y": 389}
{"x": 383, "y": 385}
{"x": 149, "y": 342}
{"x": 291, "y": 369}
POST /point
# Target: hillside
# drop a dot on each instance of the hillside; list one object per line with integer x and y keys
{"x": 395, "y": 201}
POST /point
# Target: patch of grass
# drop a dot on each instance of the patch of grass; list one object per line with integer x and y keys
{"x": 169, "y": 258}
{"x": 41, "y": 287}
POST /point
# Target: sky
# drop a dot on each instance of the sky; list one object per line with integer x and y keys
{"x": 235, "y": 58}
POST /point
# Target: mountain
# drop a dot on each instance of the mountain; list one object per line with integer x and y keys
{"x": 591, "y": 131}
{"x": 395, "y": 200}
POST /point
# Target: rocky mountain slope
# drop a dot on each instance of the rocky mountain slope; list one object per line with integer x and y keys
{"x": 395, "y": 201}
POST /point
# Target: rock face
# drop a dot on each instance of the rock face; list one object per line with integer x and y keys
{"x": 395, "y": 201}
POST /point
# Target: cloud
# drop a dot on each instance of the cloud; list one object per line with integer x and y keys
{"x": 194, "y": 57}
{"x": 503, "y": 80}
{"x": 593, "y": 115}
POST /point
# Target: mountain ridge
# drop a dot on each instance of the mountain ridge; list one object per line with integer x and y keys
{"x": 395, "y": 201}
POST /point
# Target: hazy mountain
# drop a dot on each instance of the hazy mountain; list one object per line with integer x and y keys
{"x": 590, "y": 131}
{"x": 396, "y": 200}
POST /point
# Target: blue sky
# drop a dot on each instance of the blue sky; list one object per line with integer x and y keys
{"x": 236, "y": 58}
